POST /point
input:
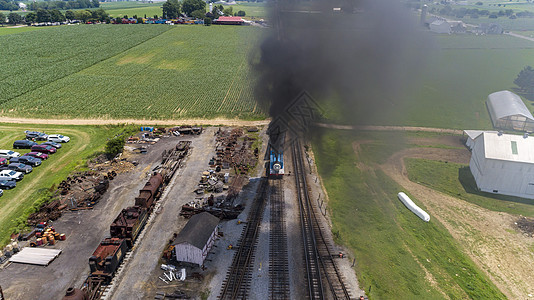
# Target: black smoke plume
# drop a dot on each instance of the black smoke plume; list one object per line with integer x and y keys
{"x": 353, "y": 58}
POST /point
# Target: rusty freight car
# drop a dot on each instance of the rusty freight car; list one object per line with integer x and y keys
{"x": 107, "y": 258}
{"x": 149, "y": 192}
{"x": 129, "y": 223}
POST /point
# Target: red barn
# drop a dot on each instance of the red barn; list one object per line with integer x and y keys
{"x": 229, "y": 21}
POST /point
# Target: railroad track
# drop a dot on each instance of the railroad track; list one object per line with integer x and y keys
{"x": 278, "y": 256}
{"x": 236, "y": 285}
{"x": 323, "y": 276}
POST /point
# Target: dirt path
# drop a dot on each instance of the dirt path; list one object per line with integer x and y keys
{"x": 217, "y": 121}
{"x": 488, "y": 237}
{"x": 388, "y": 128}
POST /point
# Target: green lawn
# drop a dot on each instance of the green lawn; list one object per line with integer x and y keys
{"x": 393, "y": 247}
{"x": 16, "y": 204}
{"x": 456, "y": 180}
{"x": 174, "y": 72}
{"x": 252, "y": 9}
{"x": 130, "y": 8}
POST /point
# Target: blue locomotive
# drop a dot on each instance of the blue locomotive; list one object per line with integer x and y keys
{"x": 276, "y": 164}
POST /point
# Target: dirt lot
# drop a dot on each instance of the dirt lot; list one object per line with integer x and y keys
{"x": 84, "y": 230}
{"x": 490, "y": 238}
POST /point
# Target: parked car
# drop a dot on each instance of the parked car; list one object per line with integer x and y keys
{"x": 11, "y": 175}
{"x": 23, "y": 144}
{"x": 53, "y": 144}
{"x": 8, "y": 154}
{"x": 29, "y": 160}
{"x": 39, "y": 155}
{"x": 43, "y": 149}
{"x": 7, "y": 184}
{"x": 20, "y": 167}
{"x": 3, "y": 161}
{"x": 36, "y": 135}
{"x": 58, "y": 138}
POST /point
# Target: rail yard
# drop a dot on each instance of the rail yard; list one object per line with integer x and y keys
{"x": 115, "y": 249}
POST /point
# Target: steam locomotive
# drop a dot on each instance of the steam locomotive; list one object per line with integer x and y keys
{"x": 276, "y": 164}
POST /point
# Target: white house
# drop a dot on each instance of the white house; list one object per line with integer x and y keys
{"x": 504, "y": 164}
{"x": 195, "y": 240}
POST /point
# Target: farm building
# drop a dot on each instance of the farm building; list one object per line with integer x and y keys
{"x": 440, "y": 26}
{"x": 507, "y": 111}
{"x": 196, "y": 238}
{"x": 503, "y": 164}
{"x": 229, "y": 21}
{"x": 471, "y": 135}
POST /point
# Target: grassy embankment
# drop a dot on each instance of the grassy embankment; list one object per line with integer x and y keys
{"x": 18, "y": 203}
{"x": 398, "y": 255}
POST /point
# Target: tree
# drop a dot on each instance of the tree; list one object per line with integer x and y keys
{"x": 83, "y": 15}
{"x": 43, "y": 16}
{"x": 14, "y": 18}
{"x": 207, "y": 21}
{"x": 241, "y": 13}
{"x": 171, "y": 9}
{"x": 96, "y": 3}
{"x": 198, "y": 14}
{"x": 114, "y": 145}
{"x": 2, "y": 19}
{"x": 69, "y": 15}
{"x": 56, "y": 16}
{"x": 189, "y": 6}
{"x": 525, "y": 80}
{"x": 228, "y": 11}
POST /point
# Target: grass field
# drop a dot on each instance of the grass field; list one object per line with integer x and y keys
{"x": 457, "y": 181}
{"x": 130, "y": 8}
{"x": 457, "y": 74}
{"x": 16, "y": 204}
{"x": 395, "y": 250}
{"x": 11, "y": 30}
{"x": 172, "y": 72}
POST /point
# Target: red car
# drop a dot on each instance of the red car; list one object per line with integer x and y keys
{"x": 43, "y": 149}
{"x": 3, "y": 161}
{"x": 39, "y": 155}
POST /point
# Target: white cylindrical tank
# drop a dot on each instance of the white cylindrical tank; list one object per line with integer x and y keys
{"x": 414, "y": 208}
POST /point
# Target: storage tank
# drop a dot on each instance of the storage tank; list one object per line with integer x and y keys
{"x": 75, "y": 294}
{"x": 413, "y": 207}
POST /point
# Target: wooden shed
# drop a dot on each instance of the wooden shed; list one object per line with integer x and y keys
{"x": 196, "y": 238}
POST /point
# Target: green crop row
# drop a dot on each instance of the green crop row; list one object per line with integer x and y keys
{"x": 187, "y": 72}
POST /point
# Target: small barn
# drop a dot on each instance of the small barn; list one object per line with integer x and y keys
{"x": 195, "y": 240}
{"x": 440, "y": 26}
{"x": 222, "y": 20}
{"x": 504, "y": 164}
{"x": 507, "y": 111}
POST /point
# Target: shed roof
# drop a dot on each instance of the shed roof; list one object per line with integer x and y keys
{"x": 198, "y": 230}
{"x": 505, "y": 103}
{"x": 229, "y": 19}
{"x": 508, "y": 147}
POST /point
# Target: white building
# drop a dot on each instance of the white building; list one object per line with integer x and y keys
{"x": 196, "y": 238}
{"x": 440, "y": 26}
{"x": 504, "y": 164}
{"x": 507, "y": 111}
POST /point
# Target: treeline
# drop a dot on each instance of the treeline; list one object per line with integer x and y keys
{"x": 54, "y": 15}
{"x": 476, "y": 13}
{"x": 196, "y": 9}
{"x": 63, "y": 5}
{"x": 8, "y": 5}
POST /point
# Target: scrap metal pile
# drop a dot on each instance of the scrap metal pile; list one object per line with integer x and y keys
{"x": 186, "y": 129}
{"x": 81, "y": 191}
{"x": 233, "y": 150}
{"x": 234, "y": 159}
{"x": 171, "y": 160}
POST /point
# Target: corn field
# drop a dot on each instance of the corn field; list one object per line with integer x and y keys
{"x": 130, "y": 72}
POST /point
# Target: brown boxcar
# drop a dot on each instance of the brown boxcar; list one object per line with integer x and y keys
{"x": 149, "y": 192}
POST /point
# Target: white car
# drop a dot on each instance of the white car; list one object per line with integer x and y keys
{"x": 58, "y": 138}
{"x": 9, "y": 154}
{"x": 11, "y": 175}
